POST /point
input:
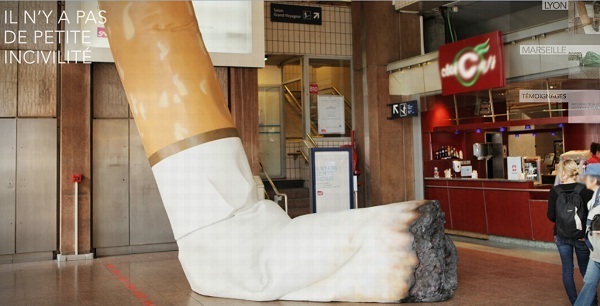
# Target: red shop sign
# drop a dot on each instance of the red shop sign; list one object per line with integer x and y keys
{"x": 472, "y": 64}
{"x": 313, "y": 89}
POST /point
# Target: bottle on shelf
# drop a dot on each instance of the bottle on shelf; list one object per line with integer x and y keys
{"x": 436, "y": 172}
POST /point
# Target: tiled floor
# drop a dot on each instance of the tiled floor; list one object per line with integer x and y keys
{"x": 489, "y": 274}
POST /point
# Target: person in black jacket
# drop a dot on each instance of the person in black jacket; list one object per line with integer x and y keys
{"x": 568, "y": 172}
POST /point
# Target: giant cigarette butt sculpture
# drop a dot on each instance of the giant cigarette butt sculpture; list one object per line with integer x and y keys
{"x": 230, "y": 243}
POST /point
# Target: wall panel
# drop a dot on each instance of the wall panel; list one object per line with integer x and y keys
{"x": 110, "y": 172}
{"x": 8, "y": 86}
{"x": 40, "y": 23}
{"x": 37, "y": 85}
{"x": 9, "y": 7}
{"x": 467, "y": 207}
{"x": 36, "y": 212}
{"x": 8, "y": 142}
{"x": 223, "y": 76}
{"x": 108, "y": 95}
{"x": 149, "y": 221}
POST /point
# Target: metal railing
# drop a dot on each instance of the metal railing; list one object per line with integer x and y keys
{"x": 299, "y": 153}
{"x": 297, "y": 106}
{"x": 312, "y": 140}
{"x": 293, "y": 99}
{"x": 278, "y": 195}
{"x": 304, "y": 156}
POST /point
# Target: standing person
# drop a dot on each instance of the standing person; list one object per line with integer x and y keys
{"x": 592, "y": 275}
{"x": 567, "y": 208}
{"x": 595, "y": 149}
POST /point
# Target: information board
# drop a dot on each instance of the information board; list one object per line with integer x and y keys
{"x": 332, "y": 180}
{"x": 331, "y": 119}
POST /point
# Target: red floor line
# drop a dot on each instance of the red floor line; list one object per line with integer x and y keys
{"x": 139, "y": 295}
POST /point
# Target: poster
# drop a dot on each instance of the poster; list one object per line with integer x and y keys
{"x": 332, "y": 179}
{"x": 331, "y": 114}
{"x": 515, "y": 167}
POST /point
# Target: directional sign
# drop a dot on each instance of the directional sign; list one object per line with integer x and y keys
{"x": 404, "y": 109}
{"x": 296, "y": 14}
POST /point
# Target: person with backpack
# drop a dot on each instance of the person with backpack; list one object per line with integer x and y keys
{"x": 587, "y": 295}
{"x": 568, "y": 209}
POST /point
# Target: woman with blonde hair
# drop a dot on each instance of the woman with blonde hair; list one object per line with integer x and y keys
{"x": 568, "y": 210}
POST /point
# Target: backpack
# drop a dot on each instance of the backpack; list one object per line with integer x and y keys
{"x": 594, "y": 227}
{"x": 570, "y": 215}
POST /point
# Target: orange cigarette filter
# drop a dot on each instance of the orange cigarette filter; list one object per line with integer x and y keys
{"x": 171, "y": 85}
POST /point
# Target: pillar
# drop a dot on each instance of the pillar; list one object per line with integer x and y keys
{"x": 75, "y": 156}
{"x": 243, "y": 103}
{"x": 381, "y": 36}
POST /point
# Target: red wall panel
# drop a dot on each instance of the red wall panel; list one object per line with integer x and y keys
{"x": 543, "y": 229}
{"x": 467, "y": 207}
{"x": 508, "y": 213}
{"x": 440, "y": 194}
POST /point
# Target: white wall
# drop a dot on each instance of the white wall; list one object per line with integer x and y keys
{"x": 270, "y": 75}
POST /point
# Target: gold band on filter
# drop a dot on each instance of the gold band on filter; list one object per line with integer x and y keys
{"x": 190, "y": 142}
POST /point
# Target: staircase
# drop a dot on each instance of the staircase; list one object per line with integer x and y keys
{"x": 298, "y": 196}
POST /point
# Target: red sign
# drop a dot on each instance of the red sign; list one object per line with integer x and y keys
{"x": 101, "y": 32}
{"x": 313, "y": 89}
{"x": 472, "y": 64}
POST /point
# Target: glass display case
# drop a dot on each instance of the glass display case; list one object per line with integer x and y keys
{"x": 532, "y": 169}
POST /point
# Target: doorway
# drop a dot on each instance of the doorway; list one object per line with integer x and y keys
{"x": 292, "y": 91}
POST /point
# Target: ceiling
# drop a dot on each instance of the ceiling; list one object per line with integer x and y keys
{"x": 477, "y": 17}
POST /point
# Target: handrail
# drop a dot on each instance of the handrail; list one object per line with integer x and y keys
{"x": 298, "y": 107}
{"x": 289, "y": 92}
{"x": 303, "y": 155}
{"x": 277, "y": 193}
{"x": 314, "y": 143}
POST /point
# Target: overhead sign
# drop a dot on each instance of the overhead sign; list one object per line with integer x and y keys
{"x": 296, "y": 14}
{"x": 404, "y": 109}
{"x": 472, "y": 64}
{"x": 553, "y": 5}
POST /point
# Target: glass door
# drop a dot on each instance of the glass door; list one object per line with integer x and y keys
{"x": 329, "y": 97}
{"x": 271, "y": 135}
